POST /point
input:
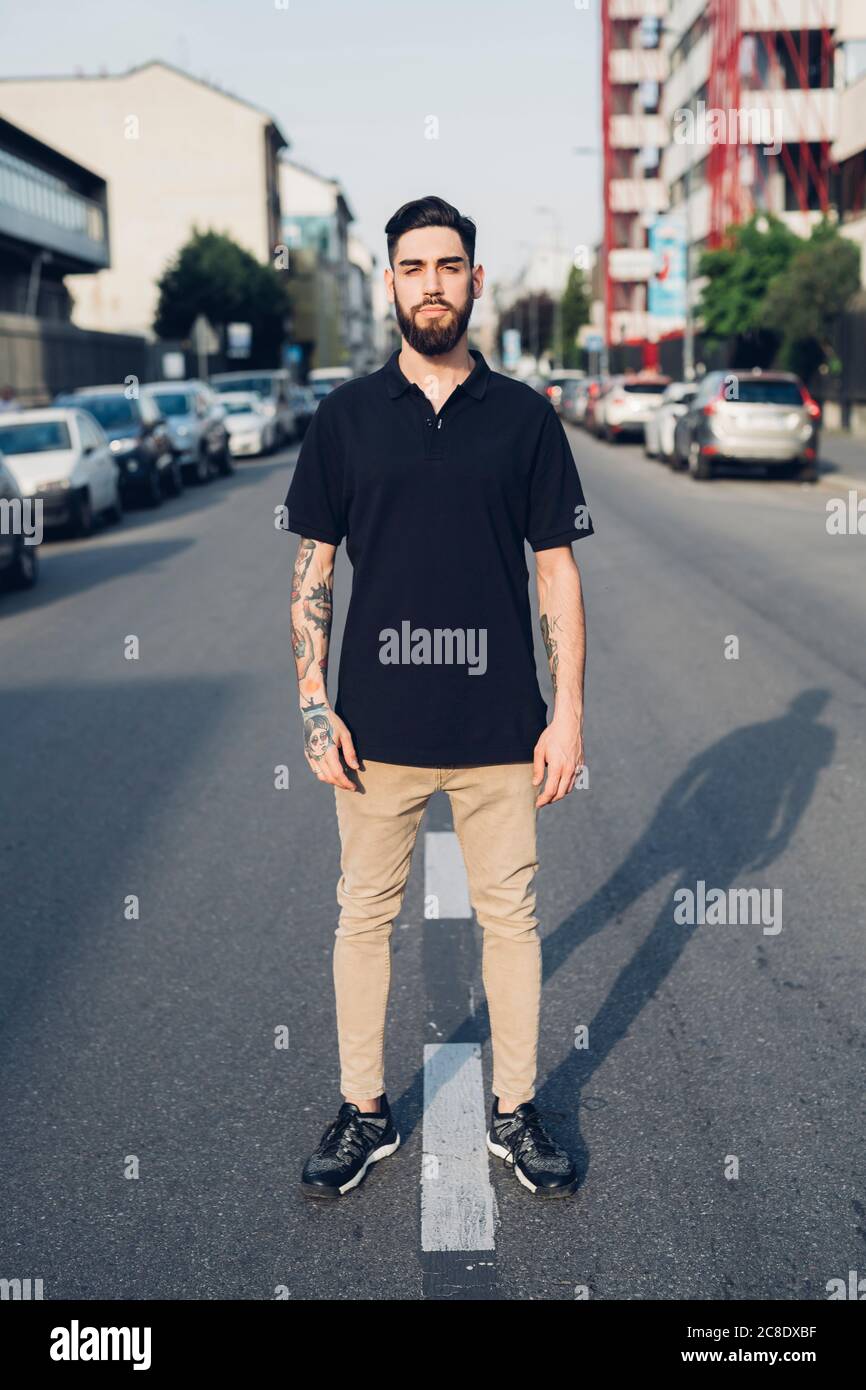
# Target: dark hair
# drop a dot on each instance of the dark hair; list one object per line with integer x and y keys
{"x": 430, "y": 212}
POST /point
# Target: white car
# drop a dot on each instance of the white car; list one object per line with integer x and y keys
{"x": 627, "y": 404}
{"x": 273, "y": 387}
{"x": 62, "y": 457}
{"x": 252, "y": 429}
{"x": 658, "y": 432}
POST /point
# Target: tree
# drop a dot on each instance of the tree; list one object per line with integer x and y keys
{"x": 739, "y": 275}
{"x": 212, "y": 275}
{"x": 803, "y": 302}
{"x": 574, "y": 312}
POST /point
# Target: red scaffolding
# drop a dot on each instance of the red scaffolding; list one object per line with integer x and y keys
{"x": 790, "y": 66}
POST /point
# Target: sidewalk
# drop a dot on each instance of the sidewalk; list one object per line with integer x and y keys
{"x": 843, "y": 454}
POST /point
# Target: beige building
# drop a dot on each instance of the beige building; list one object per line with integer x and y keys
{"x": 177, "y": 154}
{"x": 316, "y": 218}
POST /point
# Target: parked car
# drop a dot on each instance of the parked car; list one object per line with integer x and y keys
{"x": 195, "y": 419}
{"x": 62, "y": 458}
{"x": 329, "y": 376}
{"x": 305, "y": 403}
{"x": 19, "y": 562}
{"x": 576, "y": 396}
{"x": 752, "y": 418}
{"x": 252, "y": 430}
{"x": 626, "y": 405}
{"x": 138, "y": 440}
{"x": 593, "y": 411}
{"x": 273, "y": 387}
{"x": 658, "y": 432}
{"x": 556, "y": 381}
{"x": 568, "y": 401}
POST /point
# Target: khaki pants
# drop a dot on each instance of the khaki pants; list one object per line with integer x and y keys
{"x": 494, "y": 813}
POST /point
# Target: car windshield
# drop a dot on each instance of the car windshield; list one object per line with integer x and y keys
{"x": 320, "y": 389}
{"x": 173, "y": 402}
{"x": 753, "y": 391}
{"x": 239, "y": 407}
{"x": 264, "y": 385}
{"x": 36, "y": 437}
{"x": 109, "y": 410}
{"x": 645, "y": 388}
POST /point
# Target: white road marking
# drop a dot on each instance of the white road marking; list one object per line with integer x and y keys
{"x": 445, "y": 875}
{"x": 457, "y": 1208}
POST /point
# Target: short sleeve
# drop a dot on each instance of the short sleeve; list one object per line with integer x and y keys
{"x": 314, "y": 501}
{"x": 557, "y": 513}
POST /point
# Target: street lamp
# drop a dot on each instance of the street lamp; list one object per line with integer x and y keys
{"x": 557, "y": 302}
{"x": 604, "y": 360}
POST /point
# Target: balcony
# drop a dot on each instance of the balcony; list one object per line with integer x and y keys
{"x": 638, "y": 132}
{"x": 638, "y": 195}
{"x": 637, "y": 9}
{"x": 633, "y": 65}
{"x": 791, "y": 115}
{"x": 43, "y": 211}
{"x": 761, "y": 15}
{"x": 627, "y": 263}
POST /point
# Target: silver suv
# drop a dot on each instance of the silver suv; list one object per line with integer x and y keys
{"x": 756, "y": 418}
{"x": 195, "y": 420}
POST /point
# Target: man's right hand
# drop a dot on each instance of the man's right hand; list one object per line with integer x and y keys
{"x": 325, "y": 738}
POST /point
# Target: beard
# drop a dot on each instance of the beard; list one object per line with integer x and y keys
{"x": 436, "y": 338}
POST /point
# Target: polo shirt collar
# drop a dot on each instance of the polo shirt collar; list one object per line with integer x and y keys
{"x": 475, "y": 384}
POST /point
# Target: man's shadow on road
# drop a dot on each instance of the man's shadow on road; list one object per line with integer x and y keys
{"x": 732, "y": 812}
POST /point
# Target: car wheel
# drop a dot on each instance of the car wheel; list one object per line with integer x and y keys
{"x": 153, "y": 489}
{"x": 115, "y": 511}
{"x": 203, "y": 472}
{"x": 82, "y": 519}
{"x": 24, "y": 571}
{"x": 174, "y": 479}
{"x": 699, "y": 466}
{"x": 225, "y": 462}
{"x": 806, "y": 473}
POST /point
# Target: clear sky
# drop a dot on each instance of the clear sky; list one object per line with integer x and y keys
{"x": 351, "y": 83}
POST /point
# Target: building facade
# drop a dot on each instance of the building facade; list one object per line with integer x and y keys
{"x": 177, "y": 153}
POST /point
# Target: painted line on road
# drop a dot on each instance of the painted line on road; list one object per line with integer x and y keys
{"x": 446, "y": 890}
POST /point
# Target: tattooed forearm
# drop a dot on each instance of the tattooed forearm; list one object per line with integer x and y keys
{"x": 311, "y": 613}
{"x": 548, "y": 627}
{"x": 306, "y": 551}
{"x": 318, "y": 730}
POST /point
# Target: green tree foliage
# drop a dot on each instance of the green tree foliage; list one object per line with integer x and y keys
{"x": 574, "y": 312}
{"x": 739, "y": 274}
{"x": 803, "y": 302}
{"x": 212, "y": 275}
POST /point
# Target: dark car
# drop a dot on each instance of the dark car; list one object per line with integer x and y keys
{"x": 305, "y": 402}
{"x": 749, "y": 418}
{"x": 138, "y": 438}
{"x": 19, "y": 561}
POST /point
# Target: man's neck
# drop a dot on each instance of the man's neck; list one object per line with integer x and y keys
{"x": 437, "y": 376}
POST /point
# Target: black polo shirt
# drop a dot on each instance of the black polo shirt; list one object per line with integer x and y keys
{"x": 437, "y": 666}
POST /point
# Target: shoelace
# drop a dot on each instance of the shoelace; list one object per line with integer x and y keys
{"x": 532, "y": 1138}
{"x": 345, "y": 1138}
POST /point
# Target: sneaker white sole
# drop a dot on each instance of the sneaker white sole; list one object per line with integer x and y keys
{"x": 382, "y": 1152}
{"x": 501, "y": 1152}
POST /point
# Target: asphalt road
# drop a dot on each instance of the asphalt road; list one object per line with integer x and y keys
{"x": 153, "y": 1131}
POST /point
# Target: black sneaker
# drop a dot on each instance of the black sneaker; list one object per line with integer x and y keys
{"x": 520, "y": 1139}
{"x": 347, "y": 1148}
